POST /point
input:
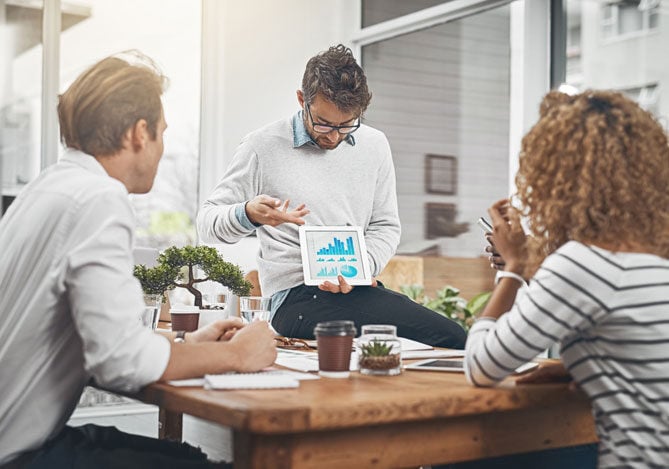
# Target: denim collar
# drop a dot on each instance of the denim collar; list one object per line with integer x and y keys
{"x": 302, "y": 137}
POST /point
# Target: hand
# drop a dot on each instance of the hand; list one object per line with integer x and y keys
{"x": 254, "y": 346}
{"x": 266, "y": 210}
{"x": 341, "y": 287}
{"x": 548, "y": 372}
{"x": 217, "y": 330}
{"x": 508, "y": 237}
{"x": 496, "y": 260}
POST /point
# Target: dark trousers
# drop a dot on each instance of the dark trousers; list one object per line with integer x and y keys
{"x": 92, "y": 446}
{"x": 305, "y": 306}
{"x": 573, "y": 457}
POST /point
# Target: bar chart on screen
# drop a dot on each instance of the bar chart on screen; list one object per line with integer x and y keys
{"x": 330, "y": 252}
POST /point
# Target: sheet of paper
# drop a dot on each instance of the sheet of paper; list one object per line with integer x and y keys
{"x": 408, "y": 344}
{"x": 306, "y": 361}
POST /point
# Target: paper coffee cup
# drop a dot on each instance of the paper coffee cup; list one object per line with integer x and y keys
{"x": 184, "y": 317}
{"x": 335, "y": 341}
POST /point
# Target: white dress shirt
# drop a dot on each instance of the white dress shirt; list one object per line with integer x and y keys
{"x": 70, "y": 306}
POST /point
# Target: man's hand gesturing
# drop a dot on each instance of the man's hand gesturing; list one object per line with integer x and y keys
{"x": 266, "y": 210}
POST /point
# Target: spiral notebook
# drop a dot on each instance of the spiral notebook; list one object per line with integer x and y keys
{"x": 275, "y": 379}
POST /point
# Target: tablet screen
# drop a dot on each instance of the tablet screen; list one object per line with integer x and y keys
{"x": 329, "y": 251}
{"x": 437, "y": 365}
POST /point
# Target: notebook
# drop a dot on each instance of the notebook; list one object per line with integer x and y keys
{"x": 274, "y": 379}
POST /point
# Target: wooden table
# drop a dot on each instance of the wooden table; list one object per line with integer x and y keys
{"x": 419, "y": 417}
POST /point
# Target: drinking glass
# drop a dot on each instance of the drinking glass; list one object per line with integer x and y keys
{"x": 254, "y": 308}
{"x": 151, "y": 312}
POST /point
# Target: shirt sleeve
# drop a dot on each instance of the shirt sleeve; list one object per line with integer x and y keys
{"x": 222, "y": 216}
{"x": 106, "y": 299}
{"x": 382, "y": 234}
{"x": 554, "y": 306}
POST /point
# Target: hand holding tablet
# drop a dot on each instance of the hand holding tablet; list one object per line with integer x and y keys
{"x": 331, "y": 251}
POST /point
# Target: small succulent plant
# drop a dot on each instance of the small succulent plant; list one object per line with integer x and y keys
{"x": 376, "y": 349}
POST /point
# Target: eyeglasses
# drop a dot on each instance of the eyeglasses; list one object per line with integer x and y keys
{"x": 326, "y": 129}
{"x": 291, "y": 343}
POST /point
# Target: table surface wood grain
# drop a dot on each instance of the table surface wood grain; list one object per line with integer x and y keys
{"x": 418, "y": 417}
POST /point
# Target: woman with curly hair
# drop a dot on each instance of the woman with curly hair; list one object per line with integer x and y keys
{"x": 593, "y": 184}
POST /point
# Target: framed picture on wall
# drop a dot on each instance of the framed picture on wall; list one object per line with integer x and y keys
{"x": 441, "y": 174}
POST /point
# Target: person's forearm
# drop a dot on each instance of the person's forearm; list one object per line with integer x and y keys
{"x": 502, "y": 298}
{"x": 196, "y": 360}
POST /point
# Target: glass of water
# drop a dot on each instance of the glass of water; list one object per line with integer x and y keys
{"x": 254, "y": 308}
{"x": 151, "y": 313}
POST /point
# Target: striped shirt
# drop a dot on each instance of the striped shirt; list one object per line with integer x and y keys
{"x": 610, "y": 314}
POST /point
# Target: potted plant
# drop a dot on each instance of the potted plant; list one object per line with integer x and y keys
{"x": 379, "y": 350}
{"x": 449, "y": 303}
{"x": 177, "y": 268}
{"x": 376, "y": 357}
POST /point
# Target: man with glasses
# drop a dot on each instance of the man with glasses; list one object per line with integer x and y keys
{"x": 337, "y": 172}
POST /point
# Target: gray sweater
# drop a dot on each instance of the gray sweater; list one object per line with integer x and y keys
{"x": 353, "y": 184}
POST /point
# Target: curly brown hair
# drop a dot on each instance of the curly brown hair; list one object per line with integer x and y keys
{"x": 337, "y": 76}
{"x": 594, "y": 169}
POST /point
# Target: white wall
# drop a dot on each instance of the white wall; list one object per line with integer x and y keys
{"x": 256, "y": 51}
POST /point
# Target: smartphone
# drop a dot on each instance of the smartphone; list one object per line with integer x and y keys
{"x": 485, "y": 225}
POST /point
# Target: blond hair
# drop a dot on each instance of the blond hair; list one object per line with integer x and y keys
{"x": 108, "y": 99}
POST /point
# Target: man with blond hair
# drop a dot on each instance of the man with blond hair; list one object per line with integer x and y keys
{"x": 70, "y": 307}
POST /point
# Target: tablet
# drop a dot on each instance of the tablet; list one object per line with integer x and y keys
{"x": 329, "y": 251}
{"x": 456, "y": 365}
{"x": 436, "y": 365}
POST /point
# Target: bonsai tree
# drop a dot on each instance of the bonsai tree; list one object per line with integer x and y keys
{"x": 176, "y": 268}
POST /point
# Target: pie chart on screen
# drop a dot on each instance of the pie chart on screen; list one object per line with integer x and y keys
{"x": 348, "y": 271}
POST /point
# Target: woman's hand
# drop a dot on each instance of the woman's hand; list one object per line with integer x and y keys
{"x": 548, "y": 372}
{"x": 496, "y": 261}
{"x": 508, "y": 236}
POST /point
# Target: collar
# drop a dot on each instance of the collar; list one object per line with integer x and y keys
{"x": 86, "y": 161}
{"x": 301, "y": 136}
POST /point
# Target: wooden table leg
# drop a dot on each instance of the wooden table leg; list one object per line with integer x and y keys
{"x": 170, "y": 425}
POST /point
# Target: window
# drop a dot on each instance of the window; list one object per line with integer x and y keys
{"x": 441, "y": 91}
{"x": 90, "y": 31}
{"x": 626, "y": 17}
{"x": 377, "y": 11}
{"x": 647, "y": 96}
{"x": 20, "y": 96}
{"x": 166, "y": 215}
{"x": 638, "y": 66}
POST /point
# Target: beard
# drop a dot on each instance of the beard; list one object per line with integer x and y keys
{"x": 322, "y": 140}
{"x": 325, "y": 144}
